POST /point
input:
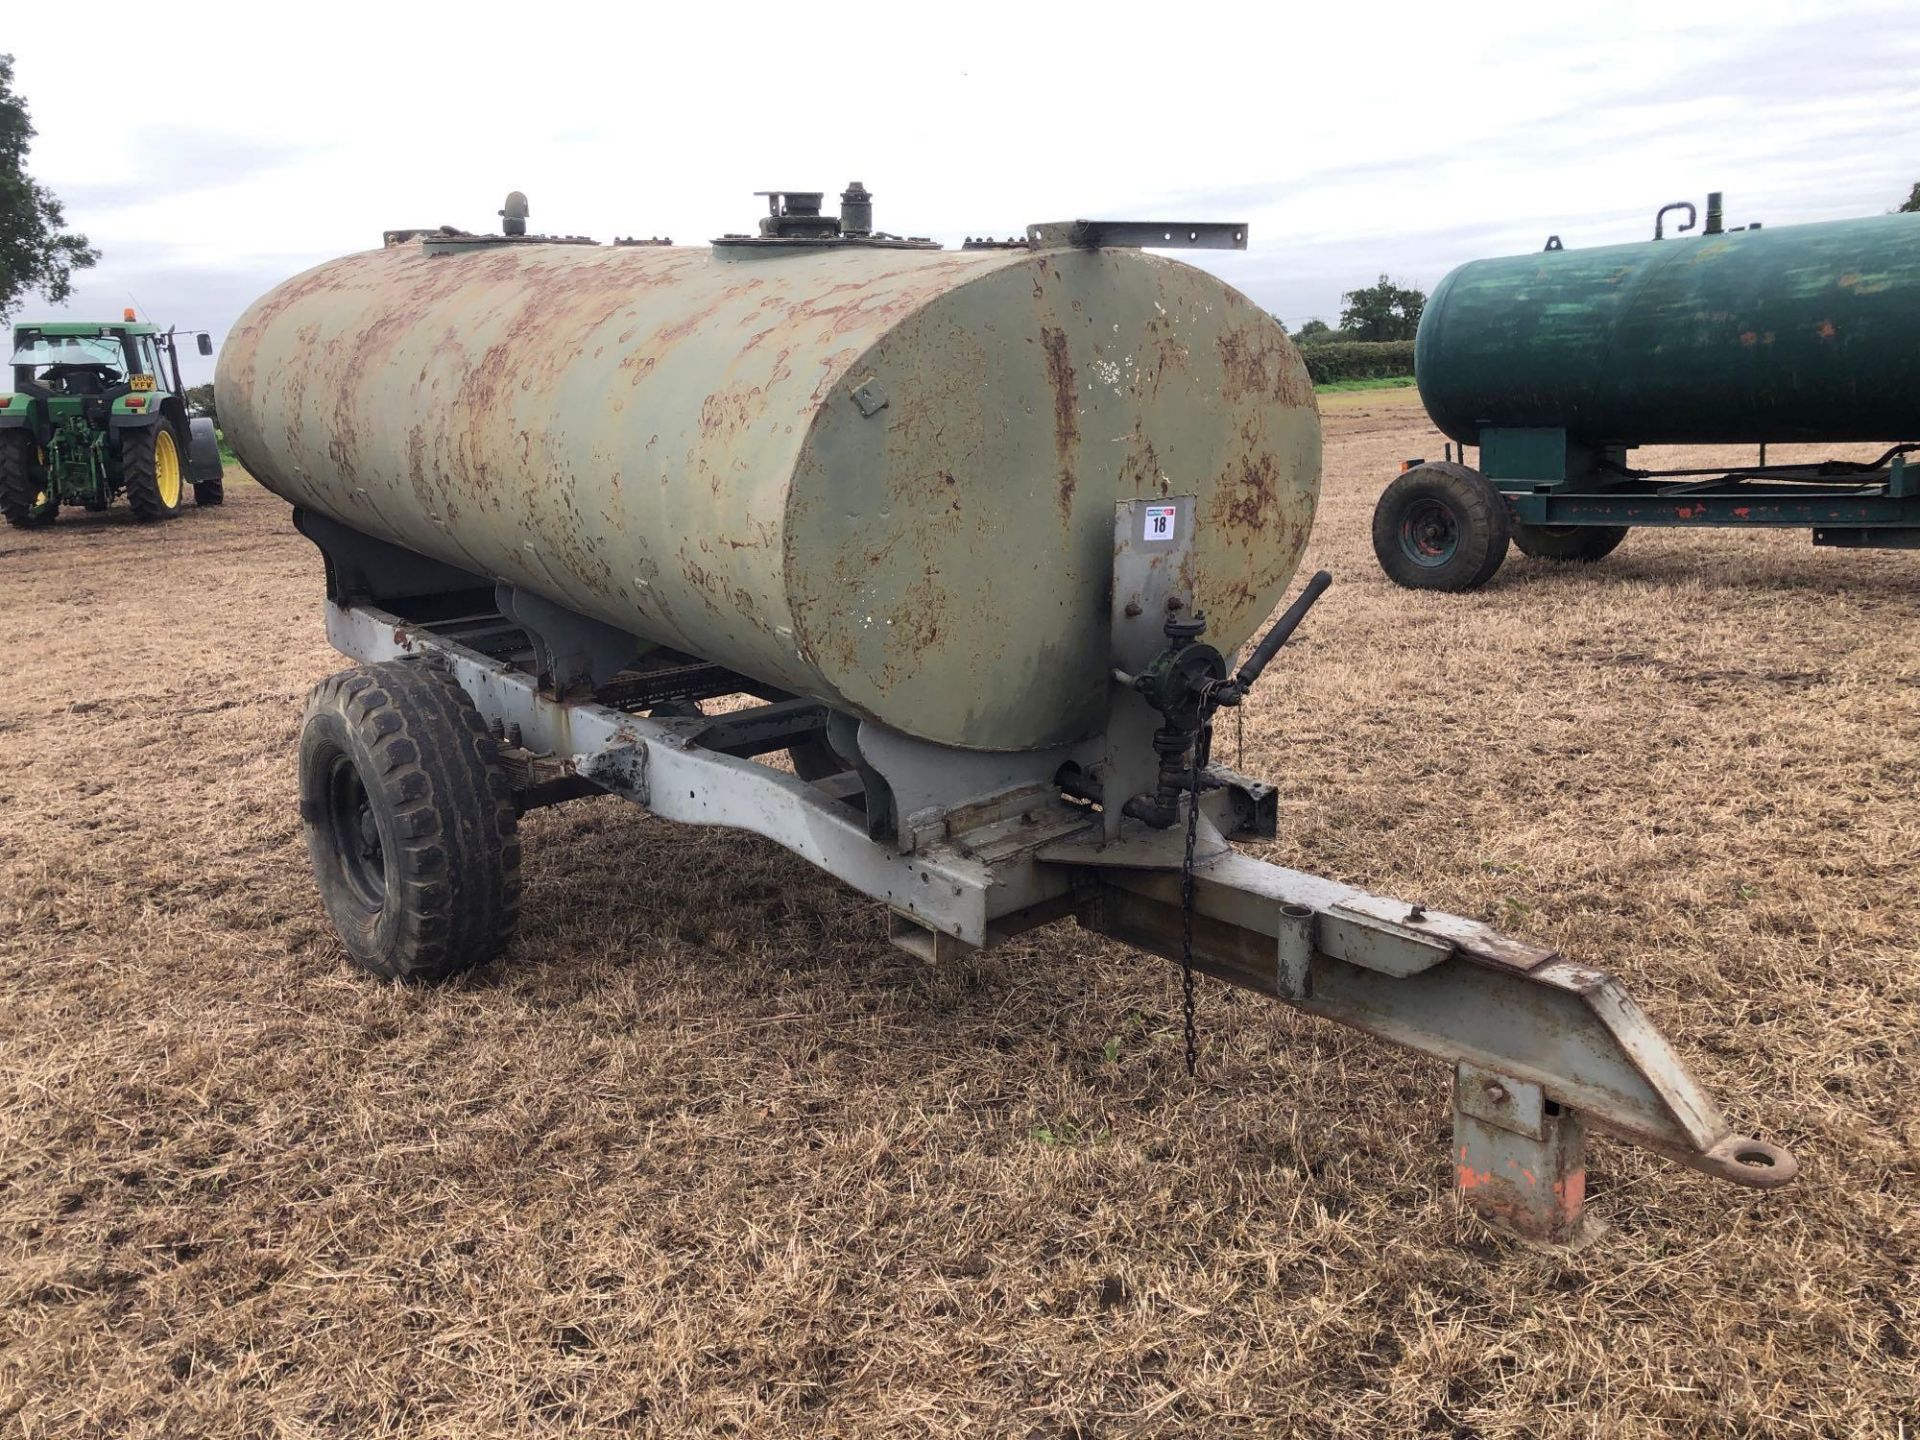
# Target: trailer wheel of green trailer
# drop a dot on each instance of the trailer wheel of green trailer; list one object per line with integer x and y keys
{"x": 1440, "y": 526}
{"x": 410, "y": 821}
{"x": 151, "y": 466}
{"x": 1570, "y": 543}
{"x": 24, "y": 497}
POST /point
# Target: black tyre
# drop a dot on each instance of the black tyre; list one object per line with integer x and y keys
{"x": 24, "y": 497}
{"x": 410, "y": 821}
{"x": 209, "y": 492}
{"x": 1572, "y": 543}
{"x": 1440, "y": 526}
{"x": 154, "y": 471}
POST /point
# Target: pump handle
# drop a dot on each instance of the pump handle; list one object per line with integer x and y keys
{"x": 1281, "y": 632}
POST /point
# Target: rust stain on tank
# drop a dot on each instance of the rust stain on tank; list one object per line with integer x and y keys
{"x": 1066, "y": 411}
{"x": 1243, "y": 367}
{"x": 1245, "y": 505}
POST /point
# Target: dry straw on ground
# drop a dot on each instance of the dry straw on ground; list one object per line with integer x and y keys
{"x": 707, "y": 1157}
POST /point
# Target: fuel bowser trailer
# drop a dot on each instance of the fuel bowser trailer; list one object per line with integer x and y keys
{"x": 969, "y": 536}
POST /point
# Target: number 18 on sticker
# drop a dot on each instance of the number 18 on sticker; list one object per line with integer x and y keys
{"x": 1159, "y": 524}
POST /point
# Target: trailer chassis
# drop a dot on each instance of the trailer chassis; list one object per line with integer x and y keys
{"x": 1870, "y": 506}
{"x": 966, "y": 850}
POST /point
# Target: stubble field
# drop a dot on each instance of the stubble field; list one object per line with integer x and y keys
{"x": 707, "y": 1156}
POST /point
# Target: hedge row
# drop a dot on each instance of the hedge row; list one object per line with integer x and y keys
{"x": 1358, "y": 360}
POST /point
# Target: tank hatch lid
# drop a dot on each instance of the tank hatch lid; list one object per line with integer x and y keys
{"x": 825, "y": 242}
{"x": 796, "y": 221}
{"x": 1138, "y": 235}
{"x": 448, "y": 241}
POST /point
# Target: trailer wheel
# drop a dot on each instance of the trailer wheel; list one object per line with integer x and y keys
{"x": 24, "y": 497}
{"x": 1573, "y": 543}
{"x": 410, "y": 822}
{"x": 1440, "y": 526}
{"x": 151, "y": 466}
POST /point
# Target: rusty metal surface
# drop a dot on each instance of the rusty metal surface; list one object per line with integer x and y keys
{"x": 1519, "y": 1159}
{"x": 668, "y": 440}
{"x": 1565, "y": 1027}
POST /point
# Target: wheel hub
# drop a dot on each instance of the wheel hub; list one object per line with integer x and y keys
{"x": 1429, "y": 533}
{"x": 354, "y": 831}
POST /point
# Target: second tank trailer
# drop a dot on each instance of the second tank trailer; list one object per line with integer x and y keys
{"x": 1556, "y": 366}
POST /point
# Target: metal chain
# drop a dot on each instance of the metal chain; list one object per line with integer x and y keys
{"x": 1200, "y": 744}
{"x": 1240, "y": 722}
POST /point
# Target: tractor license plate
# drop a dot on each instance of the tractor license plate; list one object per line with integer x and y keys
{"x": 140, "y": 382}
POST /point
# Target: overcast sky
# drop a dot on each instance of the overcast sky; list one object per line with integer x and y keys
{"x": 1355, "y": 139}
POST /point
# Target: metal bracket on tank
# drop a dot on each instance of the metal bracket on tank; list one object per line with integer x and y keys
{"x": 361, "y": 568}
{"x": 1153, "y": 577}
{"x": 1139, "y": 234}
{"x": 573, "y": 654}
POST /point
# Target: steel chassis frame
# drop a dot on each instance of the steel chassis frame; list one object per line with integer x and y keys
{"x": 979, "y": 848}
{"x": 1849, "y": 506}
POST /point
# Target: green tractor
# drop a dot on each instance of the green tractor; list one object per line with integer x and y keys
{"x": 95, "y": 410}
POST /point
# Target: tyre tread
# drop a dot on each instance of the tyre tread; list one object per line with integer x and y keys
{"x": 139, "y": 472}
{"x": 456, "y": 827}
{"x": 1483, "y": 541}
{"x": 17, "y": 485}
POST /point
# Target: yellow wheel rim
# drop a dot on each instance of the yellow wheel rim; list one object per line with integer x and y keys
{"x": 166, "y": 467}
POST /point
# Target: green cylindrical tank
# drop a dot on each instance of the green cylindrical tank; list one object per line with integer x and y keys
{"x": 883, "y": 478}
{"x": 1802, "y": 333}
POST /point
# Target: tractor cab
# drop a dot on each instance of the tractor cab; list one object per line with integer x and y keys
{"x": 96, "y": 409}
{"x": 68, "y": 365}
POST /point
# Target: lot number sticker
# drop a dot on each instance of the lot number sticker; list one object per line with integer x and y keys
{"x": 1159, "y": 523}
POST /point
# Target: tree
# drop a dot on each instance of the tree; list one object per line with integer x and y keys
{"x": 1382, "y": 312}
{"x": 200, "y": 402}
{"x": 1313, "y": 330}
{"x": 36, "y": 253}
{"x": 1911, "y": 206}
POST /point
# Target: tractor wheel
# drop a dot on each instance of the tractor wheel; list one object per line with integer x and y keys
{"x": 410, "y": 821}
{"x": 151, "y": 466}
{"x": 1572, "y": 543}
{"x": 210, "y": 492}
{"x": 24, "y": 497}
{"x": 1440, "y": 526}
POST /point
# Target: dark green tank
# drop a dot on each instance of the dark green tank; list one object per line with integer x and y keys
{"x": 1805, "y": 333}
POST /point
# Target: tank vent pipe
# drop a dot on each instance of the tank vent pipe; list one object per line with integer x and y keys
{"x": 856, "y": 209}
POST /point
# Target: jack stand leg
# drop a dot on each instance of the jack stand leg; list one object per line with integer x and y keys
{"x": 1519, "y": 1159}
